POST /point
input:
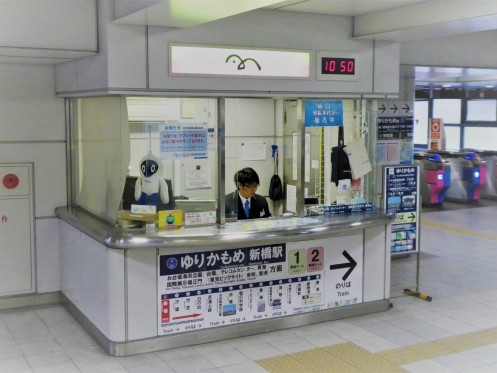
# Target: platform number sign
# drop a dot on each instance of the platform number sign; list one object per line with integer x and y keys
{"x": 315, "y": 259}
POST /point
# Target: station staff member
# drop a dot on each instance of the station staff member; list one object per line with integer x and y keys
{"x": 244, "y": 202}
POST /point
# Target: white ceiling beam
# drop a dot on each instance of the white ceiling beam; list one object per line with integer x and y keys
{"x": 186, "y": 13}
{"x": 427, "y": 20}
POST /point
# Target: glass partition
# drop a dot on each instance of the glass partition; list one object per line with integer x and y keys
{"x": 447, "y": 109}
{"x": 482, "y": 110}
{"x": 314, "y": 174}
{"x": 179, "y": 137}
{"x": 420, "y": 132}
{"x": 155, "y": 161}
{"x": 481, "y": 138}
{"x": 134, "y": 157}
{"x": 100, "y": 154}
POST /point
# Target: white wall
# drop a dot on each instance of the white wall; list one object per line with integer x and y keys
{"x": 38, "y": 32}
{"x": 32, "y": 130}
{"x": 475, "y": 49}
{"x": 250, "y": 122}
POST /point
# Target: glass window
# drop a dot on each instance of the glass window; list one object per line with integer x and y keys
{"x": 452, "y": 137}
{"x": 447, "y": 109}
{"x": 100, "y": 157}
{"x": 482, "y": 110}
{"x": 173, "y": 158}
{"x": 133, "y": 154}
{"x": 482, "y": 138}
{"x": 420, "y": 133}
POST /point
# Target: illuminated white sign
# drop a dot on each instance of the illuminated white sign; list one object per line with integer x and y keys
{"x": 238, "y": 62}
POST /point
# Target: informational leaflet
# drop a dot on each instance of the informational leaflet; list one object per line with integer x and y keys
{"x": 216, "y": 288}
{"x": 401, "y": 197}
{"x": 395, "y": 133}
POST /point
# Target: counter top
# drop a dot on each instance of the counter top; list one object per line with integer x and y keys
{"x": 255, "y": 232}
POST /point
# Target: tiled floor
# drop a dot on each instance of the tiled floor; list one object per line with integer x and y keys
{"x": 456, "y": 332}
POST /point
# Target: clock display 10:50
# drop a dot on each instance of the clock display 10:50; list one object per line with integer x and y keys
{"x": 340, "y": 66}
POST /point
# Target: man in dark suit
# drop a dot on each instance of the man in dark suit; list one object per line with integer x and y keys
{"x": 244, "y": 203}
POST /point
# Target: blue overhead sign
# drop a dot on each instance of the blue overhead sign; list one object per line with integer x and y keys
{"x": 323, "y": 113}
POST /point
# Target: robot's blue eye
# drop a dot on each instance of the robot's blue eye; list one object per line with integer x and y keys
{"x": 149, "y": 167}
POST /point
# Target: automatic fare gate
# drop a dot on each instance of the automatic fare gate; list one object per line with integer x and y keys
{"x": 489, "y": 189}
{"x": 434, "y": 177}
{"x": 468, "y": 175}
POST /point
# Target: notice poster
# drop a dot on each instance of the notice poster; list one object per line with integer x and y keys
{"x": 225, "y": 287}
{"x": 401, "y": 198}
{"x": 395, "y": 133}
{"x": 183, "y": 140}
{"x": 436, "y": 130}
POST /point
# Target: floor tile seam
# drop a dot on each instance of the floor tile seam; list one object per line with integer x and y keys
{"x": 54, "y": 338}
{"x": 456, "y": 229}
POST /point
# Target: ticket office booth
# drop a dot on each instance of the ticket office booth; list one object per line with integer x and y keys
{"x": 191, "y": 276}
{"x": 140, "y": 284}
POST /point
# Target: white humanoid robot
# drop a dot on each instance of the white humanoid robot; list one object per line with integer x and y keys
{"x": 150, "y": 185}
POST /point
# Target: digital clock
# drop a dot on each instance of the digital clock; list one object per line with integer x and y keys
{"x": 337, "y": 66}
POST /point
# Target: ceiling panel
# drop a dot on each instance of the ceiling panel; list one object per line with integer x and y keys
{"x": 341, "y": 7}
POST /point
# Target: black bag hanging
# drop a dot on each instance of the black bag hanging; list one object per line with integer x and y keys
{"x": 340, "y": 167}
{"x": 275, "y": 185}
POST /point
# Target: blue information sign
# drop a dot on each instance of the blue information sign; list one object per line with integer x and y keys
{"x": 401, "y": 198}
{"x": 323, "y": 113}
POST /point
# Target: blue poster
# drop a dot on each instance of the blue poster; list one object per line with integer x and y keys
{"x": 323, "y": 113}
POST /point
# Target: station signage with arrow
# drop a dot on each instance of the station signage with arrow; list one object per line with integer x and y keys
{"x": 391, "y": 108}
{"x": 344, "y": 264}
{"x": 350, "y": 264}
{"x": 216, "y": 288}
{"x": 395, "y": 132}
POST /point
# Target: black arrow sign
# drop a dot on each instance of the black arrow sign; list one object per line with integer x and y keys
{"x": 412, "y": 216}
{"x": 406, "y": 108}
{"x": 382, "y": 108}
{"x": 394, "y": 108}
{"x": 350, "y": 265}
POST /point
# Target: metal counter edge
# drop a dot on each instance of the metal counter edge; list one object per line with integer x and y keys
{"x": 214, "y": 236}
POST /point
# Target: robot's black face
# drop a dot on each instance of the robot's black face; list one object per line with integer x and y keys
{"x": 149, "y": 167}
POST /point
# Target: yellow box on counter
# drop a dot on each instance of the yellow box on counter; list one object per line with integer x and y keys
{"x": 128, "y": 215}
{"x": 172, "y": 218}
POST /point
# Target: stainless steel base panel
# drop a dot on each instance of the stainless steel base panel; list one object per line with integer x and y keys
{"x": 221, "y": 333}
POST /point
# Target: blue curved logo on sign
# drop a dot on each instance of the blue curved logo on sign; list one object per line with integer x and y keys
{"x": 172, "y": 263}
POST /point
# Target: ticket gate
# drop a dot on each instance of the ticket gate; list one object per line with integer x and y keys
{"x": 434, "y": 179}
{"x": 468, "y": 175}
{"x": 489, "y": 190}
